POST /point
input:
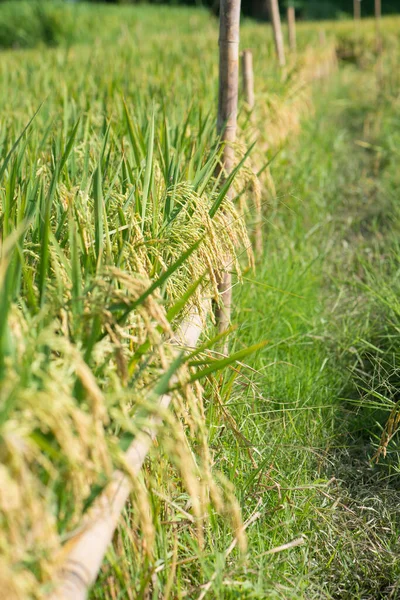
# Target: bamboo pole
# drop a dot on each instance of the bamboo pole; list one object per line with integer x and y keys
{"x": 248, "y": 93}
{"x": 229, "y": 25}
{"x": 379, "y": 44}
{"x": 248, "y": 78}
{"x": 83, "y": 554}
{"x": 273, "y": 7}
{"x": 291, "y": 19}
{"x": 357, "y": 9}
{"x": 378, "y": 15}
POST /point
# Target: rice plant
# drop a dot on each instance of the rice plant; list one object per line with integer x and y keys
{"x": 113, "y": 224}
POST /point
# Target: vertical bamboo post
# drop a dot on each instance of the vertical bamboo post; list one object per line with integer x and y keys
{"x": 248, "y": 93}
{"x": 248, "y": 78}
{"x": 357, "y": 9}
{"x": 273, "y": 7}
{"x": 291, "y": 19}
{"x": 229, "y": 24}
{"x": 378, "y": 42}
{"x": 323, "y": 68}
{"x": 378, "y": 14}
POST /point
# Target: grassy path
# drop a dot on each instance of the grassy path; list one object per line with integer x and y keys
{"x": 312, "y": 449}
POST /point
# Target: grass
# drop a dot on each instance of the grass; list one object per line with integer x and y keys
{"x": 315, "y": 313}
{"x": 318, "y": 405}
{"x": 103, "y": 200}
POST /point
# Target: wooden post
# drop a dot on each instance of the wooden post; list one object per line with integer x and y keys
{"x": 357, "y": 9}
{"x": 379, "y": 45}
{"x": 229, "y": 25}
{"x": 273, "y": 7}
{"x": 378, "y": 14}
{"x": 248, "y": 78}
{"x": 248, "y": 93}
{"x": 291, "y": 19}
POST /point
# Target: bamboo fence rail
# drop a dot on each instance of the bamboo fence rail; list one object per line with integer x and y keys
{"x": 84, "y": 552}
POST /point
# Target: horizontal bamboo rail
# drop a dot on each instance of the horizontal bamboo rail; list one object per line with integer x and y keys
{"x": 83, "y": 554}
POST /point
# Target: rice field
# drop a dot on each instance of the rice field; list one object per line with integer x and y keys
{"x": 115, "y": 224}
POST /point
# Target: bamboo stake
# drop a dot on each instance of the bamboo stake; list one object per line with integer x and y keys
{"x": 378, "y": 14}
{"x": 379, "y": 44}
{"x": 229, "y": 25}
{"x": 357, "y": 9}
{"x": 322, "y": 69}
{"x": 248, "y": 93}
{"x": 84, "y": 552}
{"x": 248, "y": 78}
{"x": 291, "y": 19}
{"x": 273, "y": 7}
